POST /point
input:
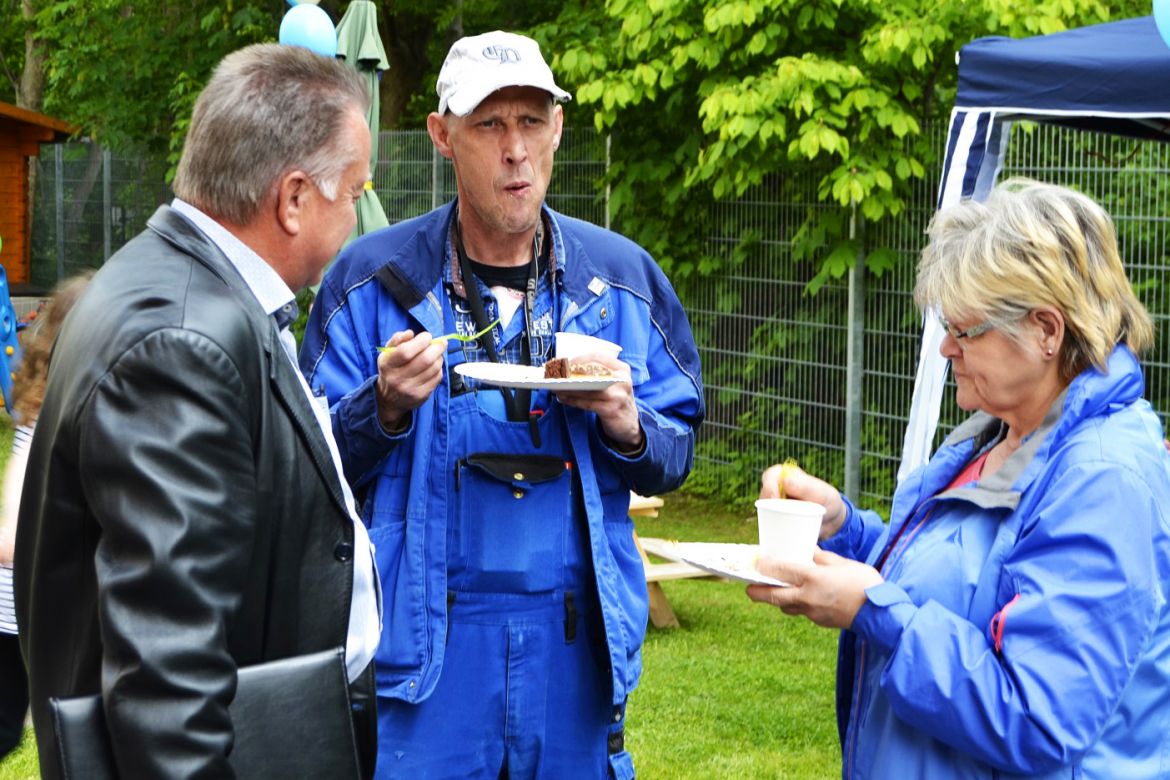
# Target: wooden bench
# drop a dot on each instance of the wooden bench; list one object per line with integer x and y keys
{"x": 661, "y": 614}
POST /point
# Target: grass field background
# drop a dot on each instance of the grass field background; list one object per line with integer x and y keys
{"x": 737, "y": 691}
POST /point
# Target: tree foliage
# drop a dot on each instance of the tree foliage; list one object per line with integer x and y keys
{"x": 128, "y": 73}
{"x": 425, "y": 29}
{"x": 706, "y": 98}
{"x": 12, "y": 27}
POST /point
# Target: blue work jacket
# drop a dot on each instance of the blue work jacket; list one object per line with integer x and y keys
{"x": 1023, "y": 628}
{"x": 608, "y": 287}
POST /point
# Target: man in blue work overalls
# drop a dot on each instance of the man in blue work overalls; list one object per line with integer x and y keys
{"x": 515, "y": 600}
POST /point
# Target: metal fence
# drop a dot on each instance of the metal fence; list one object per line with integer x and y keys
{"x": 825, "y": 379}
{"x": 89, "y": 202}
{"x": 776, "y": 362}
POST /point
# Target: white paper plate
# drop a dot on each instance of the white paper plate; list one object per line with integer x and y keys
{"x": 735, "y": 561}
{"x": 529, "y": 377}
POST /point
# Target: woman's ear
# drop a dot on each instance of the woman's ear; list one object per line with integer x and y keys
{"x": 1050, "y": 323}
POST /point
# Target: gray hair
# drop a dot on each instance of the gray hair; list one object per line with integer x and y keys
{"x": 268, "y": 109}
{"x": 1033, "y": 245}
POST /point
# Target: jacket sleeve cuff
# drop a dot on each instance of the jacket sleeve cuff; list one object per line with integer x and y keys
{"x": 359, "y": 410}
{"x": 618, "y": 451}
{"x": 845, "y": 541}
{"x": 884, "y": 615}
{"x": 660, "y": 464}
{"x": 359, "y": 432}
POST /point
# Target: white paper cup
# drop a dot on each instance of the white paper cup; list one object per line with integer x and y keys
{"x": 789, "y": 528}
{"x": 572, "y": 345}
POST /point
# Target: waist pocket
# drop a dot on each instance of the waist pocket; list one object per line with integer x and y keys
{"x": 522, "y": 471}
{"x": 510, "y": 532}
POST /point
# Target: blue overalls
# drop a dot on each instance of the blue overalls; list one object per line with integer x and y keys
{"x": 525, "y": 690}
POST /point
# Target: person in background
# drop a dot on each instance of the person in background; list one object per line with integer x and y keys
{"x": 28, "y": 390}
{"x": 1013, "y": 619}
{"x": 516, "y": 598}
{"x": 183, "y": 514}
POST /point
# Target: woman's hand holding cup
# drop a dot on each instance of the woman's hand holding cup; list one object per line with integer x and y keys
{"x": 803, "y": 486}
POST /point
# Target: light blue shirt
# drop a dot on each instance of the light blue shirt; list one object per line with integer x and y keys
{"x": 277, "y": 300}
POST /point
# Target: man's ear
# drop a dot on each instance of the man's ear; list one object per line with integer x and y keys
{"x": 558, "y": 125}
{"x": 440, "y": 132}
{"x": 292, "y": 194}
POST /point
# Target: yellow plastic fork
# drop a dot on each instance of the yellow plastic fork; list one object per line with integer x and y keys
{"x": 453, "y": 336}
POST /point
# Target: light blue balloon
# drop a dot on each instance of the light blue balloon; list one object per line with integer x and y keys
{"x": 309, "y": 26}
{"x": 1162, "y": 18}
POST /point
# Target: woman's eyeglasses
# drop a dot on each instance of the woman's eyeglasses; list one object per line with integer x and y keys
{"x": 969, "y": 333}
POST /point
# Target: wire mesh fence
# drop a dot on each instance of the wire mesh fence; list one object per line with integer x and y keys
{"x": 775, "y": 358}
{"x": 89, "y": 202}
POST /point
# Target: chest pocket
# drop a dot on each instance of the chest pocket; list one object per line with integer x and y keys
{"x": 509, "y": 535}
{"x": 948, "y": 558}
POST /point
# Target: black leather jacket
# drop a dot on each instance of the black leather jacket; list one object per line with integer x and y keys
{"x": 181, "y": 516}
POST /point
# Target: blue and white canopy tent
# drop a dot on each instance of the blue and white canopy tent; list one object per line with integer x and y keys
{"x": 1112, "y": 78}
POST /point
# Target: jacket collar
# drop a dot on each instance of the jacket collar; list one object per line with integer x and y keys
{"x": 178, "y": 231}
{"x": 263, "y": 281}
{"x": 1090, "y": 393}
{"x": 416, "y": 269}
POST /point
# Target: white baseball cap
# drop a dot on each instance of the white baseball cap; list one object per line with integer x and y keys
{"x": 478, "y": 65}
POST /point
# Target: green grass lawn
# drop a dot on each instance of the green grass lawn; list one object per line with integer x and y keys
{"x": 738, "y": 691}
{"x": 21, "y": 764}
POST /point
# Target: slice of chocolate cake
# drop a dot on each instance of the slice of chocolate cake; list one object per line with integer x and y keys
{"x": 556, "y": 368}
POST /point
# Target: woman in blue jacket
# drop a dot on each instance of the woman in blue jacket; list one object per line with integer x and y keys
{"x": 1012, "y": 619}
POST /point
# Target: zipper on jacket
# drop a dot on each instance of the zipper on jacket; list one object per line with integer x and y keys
{"x": 568, "y": 314}
{"x": 854, "y": 711}
{"x": 892, "y": 553}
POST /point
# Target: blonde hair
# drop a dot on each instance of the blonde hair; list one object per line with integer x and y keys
{"x": 28, "y": 385}
{"x": 1031, "y": 245}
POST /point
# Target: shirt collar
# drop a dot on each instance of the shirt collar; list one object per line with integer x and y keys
{"x": 270, "y": 291}
{"x": 454, "y": 275}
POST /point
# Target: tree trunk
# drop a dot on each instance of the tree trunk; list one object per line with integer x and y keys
{"x": 455, "y": 29}
{"x": 406, "y": 37}
{"x": 30, "y": 92}
{"x": 75, "y": 218}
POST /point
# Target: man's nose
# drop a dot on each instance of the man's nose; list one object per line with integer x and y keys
{"x": 515, "y": 147}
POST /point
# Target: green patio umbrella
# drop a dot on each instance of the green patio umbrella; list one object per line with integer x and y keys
{"x": 359, "y": 44}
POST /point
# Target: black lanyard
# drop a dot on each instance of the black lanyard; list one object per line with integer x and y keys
{"x": 517, "y": 403}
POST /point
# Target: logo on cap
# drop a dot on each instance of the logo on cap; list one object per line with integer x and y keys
{"x": 504, "y": 54}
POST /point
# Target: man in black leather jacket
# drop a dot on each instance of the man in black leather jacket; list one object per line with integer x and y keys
{"x": 183, "y": 514}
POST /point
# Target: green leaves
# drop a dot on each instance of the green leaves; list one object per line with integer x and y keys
{"x": 709, "y": 98}
{"x": 127, "y": 73}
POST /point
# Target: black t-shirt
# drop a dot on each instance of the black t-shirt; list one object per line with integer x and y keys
{"x": 513, "y": 277}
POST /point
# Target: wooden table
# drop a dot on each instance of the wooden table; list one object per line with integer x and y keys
{"x": 661, "y": 614}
